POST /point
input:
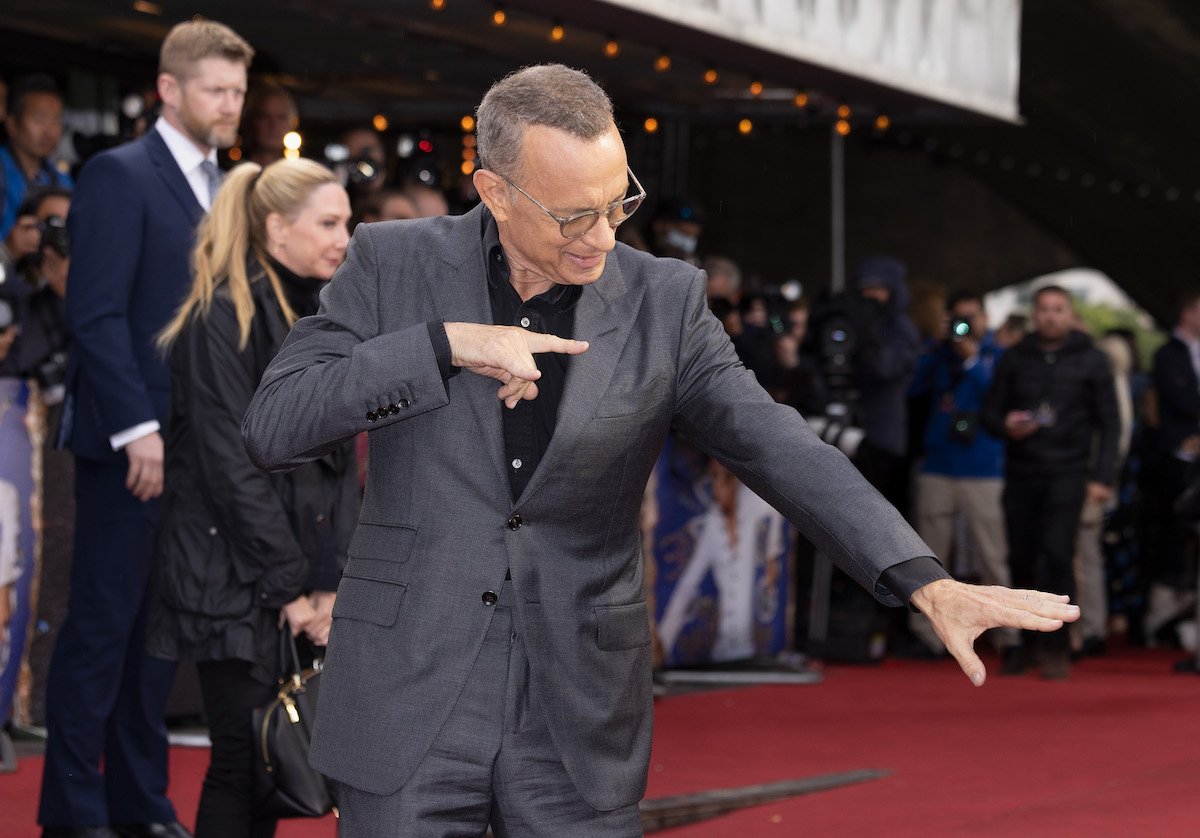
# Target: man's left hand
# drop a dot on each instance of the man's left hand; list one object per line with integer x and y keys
{"x": 1098, "y": 493}
{"x": 960, "y": 613}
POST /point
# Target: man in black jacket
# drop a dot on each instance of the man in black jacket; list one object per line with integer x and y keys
{"x": 1177, "y": 448}
{"x": 1053, "y": 400}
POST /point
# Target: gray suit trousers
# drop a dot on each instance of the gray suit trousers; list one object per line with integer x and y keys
{"x": 493, "y": 763}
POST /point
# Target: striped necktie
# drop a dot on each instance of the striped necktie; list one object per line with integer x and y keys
{"x": 213, "y": 175}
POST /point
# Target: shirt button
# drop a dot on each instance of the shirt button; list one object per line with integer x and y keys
{"x": 517, "y": 463}
{"x": 212, "y": 530}
{"x": 393, "y": 409}
{"x": 371, "y": 416}
{"x": 514, "y": 523}
{"x": 321, "y": 518}
{"x": 404, "y": 403}
{"x": 525, "y": 322}
{"x": 489, "y": 598}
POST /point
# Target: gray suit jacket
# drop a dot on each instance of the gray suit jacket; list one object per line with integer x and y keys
{"x": 437, "y": 527}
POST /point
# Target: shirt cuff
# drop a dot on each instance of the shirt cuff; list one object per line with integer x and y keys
{"x": 905, "y": 578}
{"x": 120, "y": 440}
{"x": 441, "y": 349}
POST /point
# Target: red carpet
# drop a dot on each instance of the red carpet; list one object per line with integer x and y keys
{"x": 1113, "y": 751}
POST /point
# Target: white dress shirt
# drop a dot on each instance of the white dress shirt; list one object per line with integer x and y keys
{"x": 188, "y": 157}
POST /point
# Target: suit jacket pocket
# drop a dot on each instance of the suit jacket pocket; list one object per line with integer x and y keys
{"x": 390, "y": 542}
{"x": 370, "y": 600}
{"x": 623, "y": 400}
{"x": 622, "y": 626}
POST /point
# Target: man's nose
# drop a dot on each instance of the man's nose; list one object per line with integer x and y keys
{"x": 602, "y": 236}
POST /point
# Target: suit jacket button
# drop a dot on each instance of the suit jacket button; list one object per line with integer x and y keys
{"x": 393, "y": 409}
{"x": 372, "y": 416}
{"x": 404, "y": 403}
{"x": 514, "y": 523}
{"x": 490, "y": 598}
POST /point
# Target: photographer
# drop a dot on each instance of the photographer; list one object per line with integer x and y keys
{"x": 883, "y": 364}
{"x": 1053, "y": 401}
{"x": 32, "y": 292}
{"x": 963, "y": 469}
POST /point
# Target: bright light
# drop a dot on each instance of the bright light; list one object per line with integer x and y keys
{"x": 662, "y": 63}
{"x": 651, "y": 125}
{"x": 336, "y": 153}
{"x": 882, "y": 122}
{"x": 425, "y": 146}
{"x": 467, "y": 123}
{"x": 467, "y": 167}
{"x": 801, "y": 100}
{"x": 292, "y": 140}
{"x": 745, "y": 126}
{"x": 499, "y": 18}
{"x": 843, "y": 111}
{"x": 380, "y": 122}
{"x": 756, "y": 88}
{"x": 710, "y": 76}
{"x": 612, "y": 49}
{"x": 405, "y": 145}
{"x": 842, "y": 127}
{"x": 557, "y": 33}
{"x": 146, "y": 7}
{"x": 437, "y": 5}
{"x": 291, "y": 153}
{"x": 235, "y": 154}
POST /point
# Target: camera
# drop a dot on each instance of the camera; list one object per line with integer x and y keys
{"x": 960, "y": 329}
{"x": 55, "y": 237}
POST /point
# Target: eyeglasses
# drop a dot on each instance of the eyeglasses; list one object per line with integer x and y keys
{"x": 574, "y": 226}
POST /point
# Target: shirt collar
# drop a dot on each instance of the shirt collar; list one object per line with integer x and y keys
{"x": 182, "y": 149}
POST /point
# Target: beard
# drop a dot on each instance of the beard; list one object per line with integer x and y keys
{"x": 214, "y": 133}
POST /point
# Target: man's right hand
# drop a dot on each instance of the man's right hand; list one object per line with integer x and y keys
{"x": 505, "y": 353}
{"x": 1020, "y": 424}
{"x": 145, "y": 478}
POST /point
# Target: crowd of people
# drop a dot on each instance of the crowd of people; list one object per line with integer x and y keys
{"x": 146, "y": 301}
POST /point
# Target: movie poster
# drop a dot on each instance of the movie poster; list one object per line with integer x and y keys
{"x": 721, "y": 554}
{"x": 17, "y": 535}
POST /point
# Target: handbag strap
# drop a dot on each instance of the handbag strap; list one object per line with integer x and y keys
{"x": 289, "y": 655}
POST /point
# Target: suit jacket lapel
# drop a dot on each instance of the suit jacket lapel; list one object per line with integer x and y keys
{"x": 604, "y": 317}
{"x": 462, "y": 297}
{"x": 172, "y": 177}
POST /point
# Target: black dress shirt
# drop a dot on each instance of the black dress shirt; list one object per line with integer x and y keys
{"x": 529, "y": 426}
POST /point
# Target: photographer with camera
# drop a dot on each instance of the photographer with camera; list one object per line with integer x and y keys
{"x": 962, "y": 473}
{"x": 35, "y": 126}
{"x": 1053, "y": 401}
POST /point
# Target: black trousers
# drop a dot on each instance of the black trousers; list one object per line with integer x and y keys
{"x": 1042, "y": 518}
{"x": 227, "y": 799}
{"x": 1167, "y": 535}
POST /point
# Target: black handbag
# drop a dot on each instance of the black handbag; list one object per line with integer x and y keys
{"x": 286, "y": 786}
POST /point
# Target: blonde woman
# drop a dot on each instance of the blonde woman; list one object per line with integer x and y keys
{"x": 240, "y": 550}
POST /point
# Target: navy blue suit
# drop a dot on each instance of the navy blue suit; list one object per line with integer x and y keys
{"x": 132, "y": 225}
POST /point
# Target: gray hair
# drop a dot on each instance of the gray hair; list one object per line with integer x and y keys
{"x": 725, "y": 267}
{"x": 547, "y": 94}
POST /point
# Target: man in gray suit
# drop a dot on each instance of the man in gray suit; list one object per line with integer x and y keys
{"x": 490, "y": 655}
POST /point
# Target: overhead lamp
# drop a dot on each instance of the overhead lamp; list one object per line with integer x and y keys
{"x": 467, "y": 167}
{"x": 711, "y": 76}
{"x": 842, "y": 126}
{"x": 801, "y": 100}
{"x": 380, "y": 122}
{"x": 437, "y": 5}
{"x": 650, "y": 125}
{"x": 756, "y": 88}
{"x": 843, "y": 111}
{"x": 663, "y": 62}
{"x": 292, "y": 140}
{"x": 235, "y": 153}
{"x": 882, "y": 122}
{"x": 557, "y": 33}
{"x": 613, "y": 48}
{"x": 499, "y": 17}
{"x": 467, "y": 123}
{"x": 745, "y": 126}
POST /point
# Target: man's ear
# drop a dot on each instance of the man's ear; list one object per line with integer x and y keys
{"x": 494, "y": 191}
{"x": 169, "y": 90}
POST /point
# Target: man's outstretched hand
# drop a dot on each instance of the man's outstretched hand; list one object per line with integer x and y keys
{"x": 960, "y": 613}
{"x": 505, "y": 353}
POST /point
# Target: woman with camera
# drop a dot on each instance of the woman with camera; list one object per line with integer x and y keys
{"x": 241, "y": 552}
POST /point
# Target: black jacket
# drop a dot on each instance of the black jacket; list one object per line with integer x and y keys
{"x": 1076, "y": 383}
{"x": 1178, "y": 396}
{"x": 235, "y": 543}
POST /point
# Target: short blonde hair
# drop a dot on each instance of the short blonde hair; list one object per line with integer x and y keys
{"x": 193, "y": 40}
